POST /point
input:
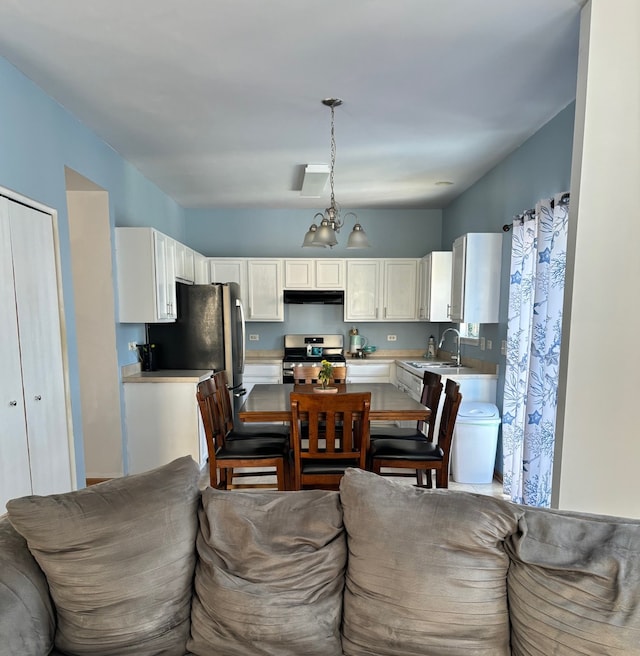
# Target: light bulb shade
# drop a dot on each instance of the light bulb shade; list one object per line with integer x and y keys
{"x": 325, "y": 235}
{"x": 358, "y": 238}
{"x": 310, "y": 237}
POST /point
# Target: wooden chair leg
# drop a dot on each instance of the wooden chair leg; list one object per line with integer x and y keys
{"x": 442, "y": 478}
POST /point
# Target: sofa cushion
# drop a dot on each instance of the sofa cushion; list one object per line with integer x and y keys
{"x": 427, "y": 570}
{"x": 119, "y": 559}
{"x": 270, "y": 574}
{"x": 27, "y": 622}
{"x": 574, "y": 584}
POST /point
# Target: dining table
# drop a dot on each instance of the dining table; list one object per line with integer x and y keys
{"x": 270, "y": 402}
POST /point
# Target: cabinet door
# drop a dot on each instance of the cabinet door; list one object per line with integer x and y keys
{"x": 185, "y": 263}
{"x": 400, "y": 290}
{"x": 165, "y": 276}
{"x": 15, "y": 473}
{"x": 329, "y": 274}
{"x": 201, "y": 269}
{"x": 362, "y": 297}
{"x": 43, "y": 383}
{"x": 436, "y": 286}
{"x": 227, "y": 269}
{"x": 264, "y": 278}
{"x": 457, "y": 279}
{"x": 299, "y": 274}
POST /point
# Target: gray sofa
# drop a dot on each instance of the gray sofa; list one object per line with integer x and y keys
{"x": 149, "y": 564}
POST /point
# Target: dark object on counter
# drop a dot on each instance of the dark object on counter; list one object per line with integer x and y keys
{"x": 147, "y": 357}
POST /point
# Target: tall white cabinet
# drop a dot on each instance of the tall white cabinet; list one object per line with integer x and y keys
{"x": 35, "y": 455}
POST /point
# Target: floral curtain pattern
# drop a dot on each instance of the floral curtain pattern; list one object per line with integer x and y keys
{"x": 534, "y": 332}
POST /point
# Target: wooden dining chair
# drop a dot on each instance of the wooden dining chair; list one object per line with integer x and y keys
{"x": 337, "y": 433}
{"x": 236, "y": 429}
{"x": 263, "y": 456}
{"x": 304, "y": 374}
{"x": 422, "y": 455}
{"x": 424, "y": 429}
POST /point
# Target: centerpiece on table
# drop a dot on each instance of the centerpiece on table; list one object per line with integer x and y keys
{"x": 324, "y": 377}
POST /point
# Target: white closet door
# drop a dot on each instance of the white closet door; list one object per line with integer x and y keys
{"x": 15, "y": 475}
{"x": 40, "y": 348}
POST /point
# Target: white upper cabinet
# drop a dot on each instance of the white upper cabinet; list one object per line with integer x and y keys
{"x": 400, "y": 290}
{"x": 475, "y": 278}
{"x": 435, "y": 286}
{"x": 303, "y": 273}
{"x": 229, "y": 269}
{"x": 145, "y": 263}
{"x": 185, "y": 263}
{"x": 381, "y": 290}
{"x": 264, "y": 290}
{"x": 201, "y": 269}
{"x": 362, "y": 296}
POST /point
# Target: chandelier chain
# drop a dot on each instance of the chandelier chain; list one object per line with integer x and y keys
{"x": 333, "y": 156}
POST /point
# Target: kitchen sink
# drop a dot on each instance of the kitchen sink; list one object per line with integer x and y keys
{"x": 425, "y": 365}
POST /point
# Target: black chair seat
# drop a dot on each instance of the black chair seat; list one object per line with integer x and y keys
{"x": 260, "y": 447}
{"x": 258, "y": 431}
{"x": 392, "y": 449}
{"x": 327, "y": 466}
{"x": 391, "y": 432}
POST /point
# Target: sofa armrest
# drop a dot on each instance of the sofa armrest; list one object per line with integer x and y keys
{"x": 27, "y": 620}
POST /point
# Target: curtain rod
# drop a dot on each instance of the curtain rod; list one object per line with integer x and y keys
{"x": 564, "y": 199}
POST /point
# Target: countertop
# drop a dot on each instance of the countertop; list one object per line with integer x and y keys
{"x": 446, "y": 371}
{"x": 169, "y": 376}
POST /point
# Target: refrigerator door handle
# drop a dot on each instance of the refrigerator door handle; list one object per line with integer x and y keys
{"x": 244, "y": 331}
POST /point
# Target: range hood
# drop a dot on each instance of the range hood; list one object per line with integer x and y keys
{"x": 300, "y": 296}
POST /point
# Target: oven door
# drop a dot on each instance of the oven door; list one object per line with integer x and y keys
{"x": 287, "y": 372}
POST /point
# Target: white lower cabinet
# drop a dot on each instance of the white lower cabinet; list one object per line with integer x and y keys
{"x": 162, "y": 423}
{"x": 35, "y": 441}
{"x": 269, "y": 373}
{"x": 369, "y": 372}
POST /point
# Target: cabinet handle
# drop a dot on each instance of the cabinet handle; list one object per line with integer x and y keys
{"x": 38, "y": 397}
{"x": 376, "y": 313}
{"x": 385, "y": 313}
{"x": 449, "y": 310}
{"x": 13, "y": 403}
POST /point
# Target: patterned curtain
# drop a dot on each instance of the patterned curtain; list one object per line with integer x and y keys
{"x": 534, "y": 332}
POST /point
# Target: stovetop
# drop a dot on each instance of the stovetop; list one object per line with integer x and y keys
{"x": 296, "y": 348}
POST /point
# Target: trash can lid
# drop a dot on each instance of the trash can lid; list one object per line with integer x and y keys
{"x": 478, "y": 410}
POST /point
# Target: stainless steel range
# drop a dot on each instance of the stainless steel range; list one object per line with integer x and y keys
{"x": 307, "y": 349}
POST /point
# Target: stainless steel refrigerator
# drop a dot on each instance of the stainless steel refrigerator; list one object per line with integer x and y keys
{"x": 209, "y": 333}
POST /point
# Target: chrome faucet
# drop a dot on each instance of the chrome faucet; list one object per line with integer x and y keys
{"x": 457, "y": 355}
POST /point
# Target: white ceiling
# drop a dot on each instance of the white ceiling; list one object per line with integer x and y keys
{"x": 218, "y": 101}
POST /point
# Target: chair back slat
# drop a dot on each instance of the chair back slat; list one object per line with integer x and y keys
{"x": 431, "y": 393}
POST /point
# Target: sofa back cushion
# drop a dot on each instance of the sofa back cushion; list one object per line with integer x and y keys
{"x": 270, "y": 574}
{"x": 119, "y": 559}
{"x": 427, "y": 570}
{"x": 574, "y": 584}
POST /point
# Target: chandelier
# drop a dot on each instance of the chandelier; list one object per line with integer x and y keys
{"x": 324, "y": 235}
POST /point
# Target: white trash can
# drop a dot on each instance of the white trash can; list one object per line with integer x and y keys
{"x": 475, "y": 439}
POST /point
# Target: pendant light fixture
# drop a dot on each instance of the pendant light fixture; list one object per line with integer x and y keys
{"x": 324, "y": 235}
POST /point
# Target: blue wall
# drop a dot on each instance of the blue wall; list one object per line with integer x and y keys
{"x": 38, "y": 138}
{"x": 540, "y": 168}
{"x": 279, "y": 233}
